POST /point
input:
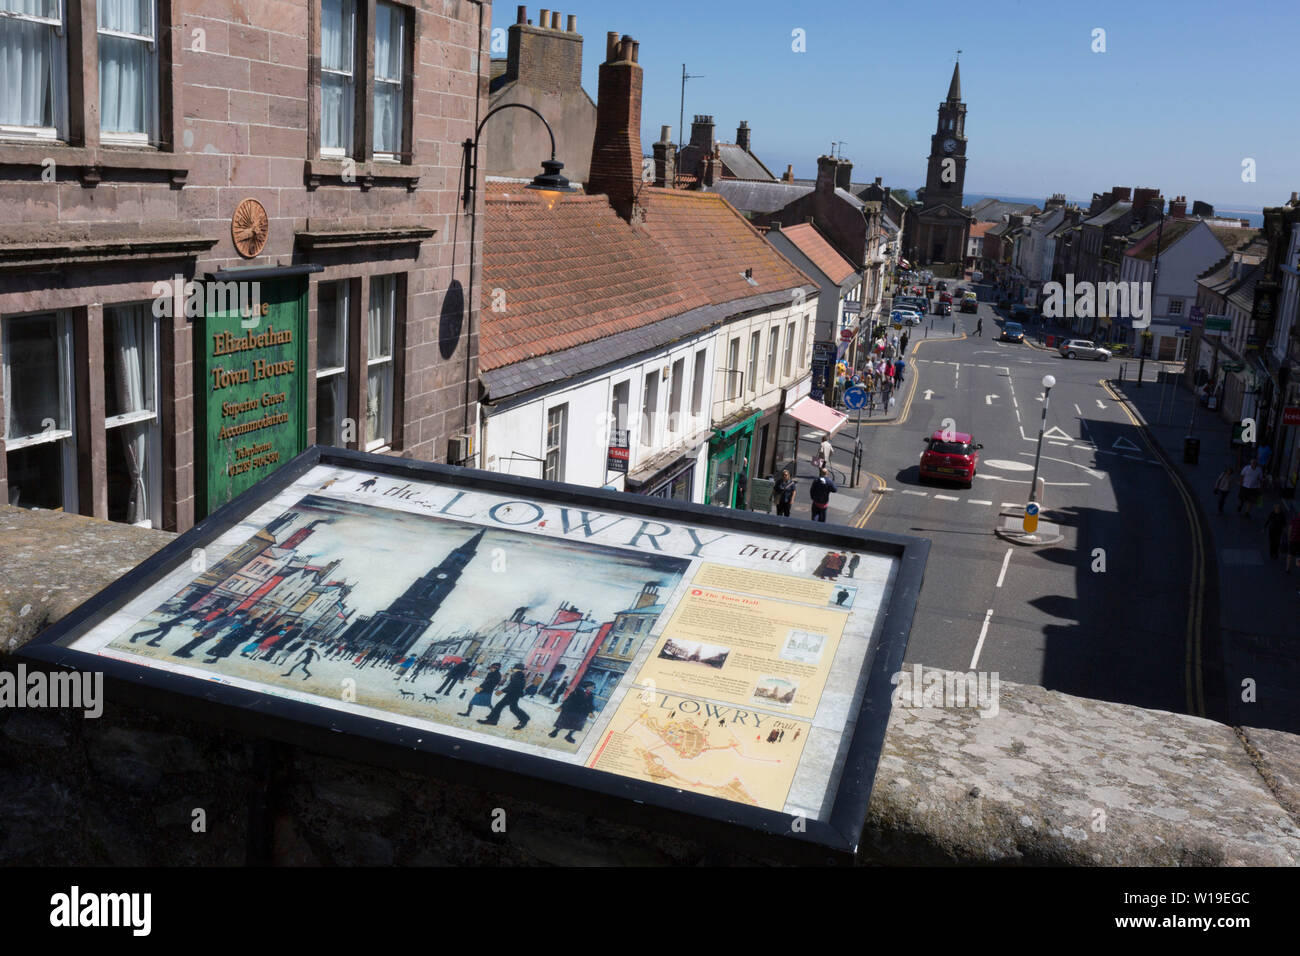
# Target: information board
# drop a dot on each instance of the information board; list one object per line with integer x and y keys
{"x": 250, "y": 369}
{"x": 646, "y": 650}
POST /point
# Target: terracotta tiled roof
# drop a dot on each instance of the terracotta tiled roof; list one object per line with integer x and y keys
{"x": 570, "y": 275}
{"x": 977, "y": 229}
{"x": 823, "y": 255}
{"x": 711, "y": 245}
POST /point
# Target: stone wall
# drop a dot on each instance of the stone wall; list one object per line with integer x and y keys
{"x": 1051, "y": 779}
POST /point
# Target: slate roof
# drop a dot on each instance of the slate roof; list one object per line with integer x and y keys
{"x": 1110, "y": 214}
{"x": 821, "y": 253}
{"x": 1243, "y": 296}
{"x": 751, "y": 196}
{"x": 1235, "y": 237}
{"x": 991, "y": 210}
{"x": 1143, "y": 244}
{"x": 743, "y": 164}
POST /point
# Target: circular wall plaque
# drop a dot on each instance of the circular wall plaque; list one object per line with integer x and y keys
{"x": 249, "y": 227}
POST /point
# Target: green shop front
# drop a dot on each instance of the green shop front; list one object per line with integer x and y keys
{"x": 729, "y": 454}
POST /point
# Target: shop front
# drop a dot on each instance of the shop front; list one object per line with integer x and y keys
{"x": 729, "y": 454}
{"x": 671, "y": 477}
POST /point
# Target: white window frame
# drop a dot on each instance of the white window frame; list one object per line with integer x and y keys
{"x": 58, "y": 80}
{"x": 399, "y": 83}
{"x": 676, "y": 386}
{"x": 553, "y": 442}
{"x": 1175, "y": 306}
{"x": 63, "y": 331}
{"x": 151, "y": 370}
{"x": 697, "y": 383}
{"x": 803, "y": 343}
{"x": 343, "y": 300}
{"x": 773, "y": 347}
{"x": 384, "y": 442}
{"x": 751, "y": 366}
{"x": 649, "y": 407}
{"x": 350, "y": 135}
{"x": 789, "y": 350}
{"x": 733, "y": 360}
{"x": 150, "y": 136}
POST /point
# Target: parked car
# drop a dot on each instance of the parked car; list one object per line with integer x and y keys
{"x": 912, "y": 303}
{"x": 945, "y": 297}
{"x": 904, "y": 317}
{"x": 1021, "y": 311}
{"x": 941, "y": 286}
{"x": 977, "y": 277}
{"x": 1012, "y": 332}
{"x": 950, "y": 456}
{"x": 970, "y": 303}
{"x": 1082, "y": 348}
{"x": 943, "y": 308}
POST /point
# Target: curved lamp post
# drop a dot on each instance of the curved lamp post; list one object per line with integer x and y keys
{"x": 549, "y": 182}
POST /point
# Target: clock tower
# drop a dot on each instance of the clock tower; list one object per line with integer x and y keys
{"x": 946, "y": 173}
{"x": 936, "y": 229}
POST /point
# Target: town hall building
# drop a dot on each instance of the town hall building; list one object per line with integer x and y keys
{"x": 937, "y": 225}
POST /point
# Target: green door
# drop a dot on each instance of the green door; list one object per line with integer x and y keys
{"x": 250, "y": 398}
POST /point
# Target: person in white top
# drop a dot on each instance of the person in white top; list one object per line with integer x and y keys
{"x": 826, "y": 449}
{"x": 1251, "y": 477}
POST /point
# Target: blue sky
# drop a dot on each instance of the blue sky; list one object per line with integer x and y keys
{"x": 1184, "y": 92}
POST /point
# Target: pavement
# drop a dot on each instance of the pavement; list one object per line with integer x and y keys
{"x": 1256, "y": 605}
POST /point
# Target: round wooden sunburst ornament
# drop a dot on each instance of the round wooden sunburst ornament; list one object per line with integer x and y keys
{"x": 249, "y": 227}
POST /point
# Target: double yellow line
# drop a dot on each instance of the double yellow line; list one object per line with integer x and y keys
{"x": 1193, "y": 675}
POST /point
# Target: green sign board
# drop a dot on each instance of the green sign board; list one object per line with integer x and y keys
{"x": 1218, "y": 323}
{"x": 250, "y": 369}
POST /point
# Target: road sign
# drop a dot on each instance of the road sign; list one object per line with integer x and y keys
{"x": 855, "y": 397}
{"x": 1031, "y": 517}
{"x": 852, "y": 308}
{"x": 1218, "y": 323}
{"x": 1291, "y": 415}
{"x": 846, "y": 334}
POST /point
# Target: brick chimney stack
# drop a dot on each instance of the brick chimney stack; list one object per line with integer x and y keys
{"x": 742, "y": 135}
{"x": 788, "y": 175}
{"x": 826, "y": 170}
{"x": 1178, "y": 207}
{"x": 544, "y": 56}
{"x": 844, "y": 174}
{"x": 711, "y": 170}
{"x": 702, "y": 133}
{"x": 665, "y": 153}
{"x": 616, "y": 149}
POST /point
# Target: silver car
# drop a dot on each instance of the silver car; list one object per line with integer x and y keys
{"x": 1082, "y": 348}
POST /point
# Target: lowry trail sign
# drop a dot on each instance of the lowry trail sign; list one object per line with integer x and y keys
{"x": 720, "y": 666}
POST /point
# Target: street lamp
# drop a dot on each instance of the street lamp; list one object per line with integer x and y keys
{"x": 1048, "y": 382}
{"x": 549, "y": 182}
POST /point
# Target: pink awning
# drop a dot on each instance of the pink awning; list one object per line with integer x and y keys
{"x": 813, "y": 413}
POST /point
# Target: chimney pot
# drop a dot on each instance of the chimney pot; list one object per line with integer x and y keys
{"x": 663, "y": 134}
{"x": 555, "y": 20}
{"x": 636, "y": 50}
{"x": 522, "y": 15}
{"x": 544, "y": 18}
{"x": 573, "y": 23}
{"x": 611, "y": 44}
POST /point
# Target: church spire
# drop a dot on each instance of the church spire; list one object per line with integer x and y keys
{"x": 954, "y": 88}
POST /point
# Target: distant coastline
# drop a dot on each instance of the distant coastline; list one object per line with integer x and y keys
{"x": 1256, "y": 216}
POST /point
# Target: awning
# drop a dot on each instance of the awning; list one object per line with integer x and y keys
{"x": 813, "y": 413}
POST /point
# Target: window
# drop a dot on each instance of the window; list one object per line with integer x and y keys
{"x": 773, "y": 343}
{"x": 751, "y": 371}
{"x": 128, "y": 70}
{"x": 390, "y": 93}
{"x": 649, "y": 406}
{"x": 331, "y": 362}
{"x": 337, "y": 93}
{"x": 675, "y": 385}
{"x": 789, "y": 349}
{"x": 379, "y": 362}
{"x": 556, "y": 424}
{"x": 732, "y": 371}
{"x": 803, "y": 343}
{"x": 619, "y": 406}
{"x": 1175, "y": 306}
{"x": 697, "y": 383}
{"x": 33, "y": 69}
{"x": 131, "y": 415}
{"x": 39, "y": 445}
{"x": 627, "y": 645}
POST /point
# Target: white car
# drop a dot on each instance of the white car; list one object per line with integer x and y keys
{"x": 1082, "y": 348}
{"x": 905, "y": 317}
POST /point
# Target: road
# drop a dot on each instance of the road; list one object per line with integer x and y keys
{"x": 1104, "y": 614}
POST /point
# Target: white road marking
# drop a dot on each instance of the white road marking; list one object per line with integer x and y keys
{"x": 1025, "y": 481}
{"x": 909, "y": 491}
{"x": 1063, "y": 444}
{"x": 1004, "y": 464}
{"x": 983, "y": 366}
{"x": 1123, "y": 444}
{"x": 977, "y": 501}
{"x": 1135, "y": 458}
{"x": 1066, "y": 461}
{"x": 1099, "y": 404}
{"x": 1005, "y": 562}
{"x": 1012, "y": 504}
{"x": 946, "y": 498}
{"x": 929, "y": 393}
{"x": 983, "y": 630}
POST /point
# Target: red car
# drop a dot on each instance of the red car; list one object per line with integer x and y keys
{"x": 950, "y": 456}
{"x": 945, "y": 297}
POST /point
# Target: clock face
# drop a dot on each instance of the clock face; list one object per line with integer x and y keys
{"x": 949, "y": 145}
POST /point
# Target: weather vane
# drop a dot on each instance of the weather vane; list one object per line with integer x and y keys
{"x": 957, "y": 58}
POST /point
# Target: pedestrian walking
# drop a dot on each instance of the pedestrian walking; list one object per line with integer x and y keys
{"x": 979, "y": 327}
{"x": 820, "y": 493}
{"x": 483, "y": 692}
{"x": 1223, "y": 486}
{"x": 163, "y": 629}
{"x": 575, "y": 710}
{"x": 308, "y": 655}
{"x": 903, "y": 342}
{"x": 785, "y": 492}
{"x": 1251, "y": 476}
{"x": 826, "y": 448}
{"x": 511, "y": 693}
{"x": 1274, "y": 525}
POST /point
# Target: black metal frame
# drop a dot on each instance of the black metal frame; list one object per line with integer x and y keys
{"x": 496, "y": 768}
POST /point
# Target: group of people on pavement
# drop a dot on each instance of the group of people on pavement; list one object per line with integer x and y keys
{"x": 819, "y": 490}
{"x": 1281, "y": 526}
